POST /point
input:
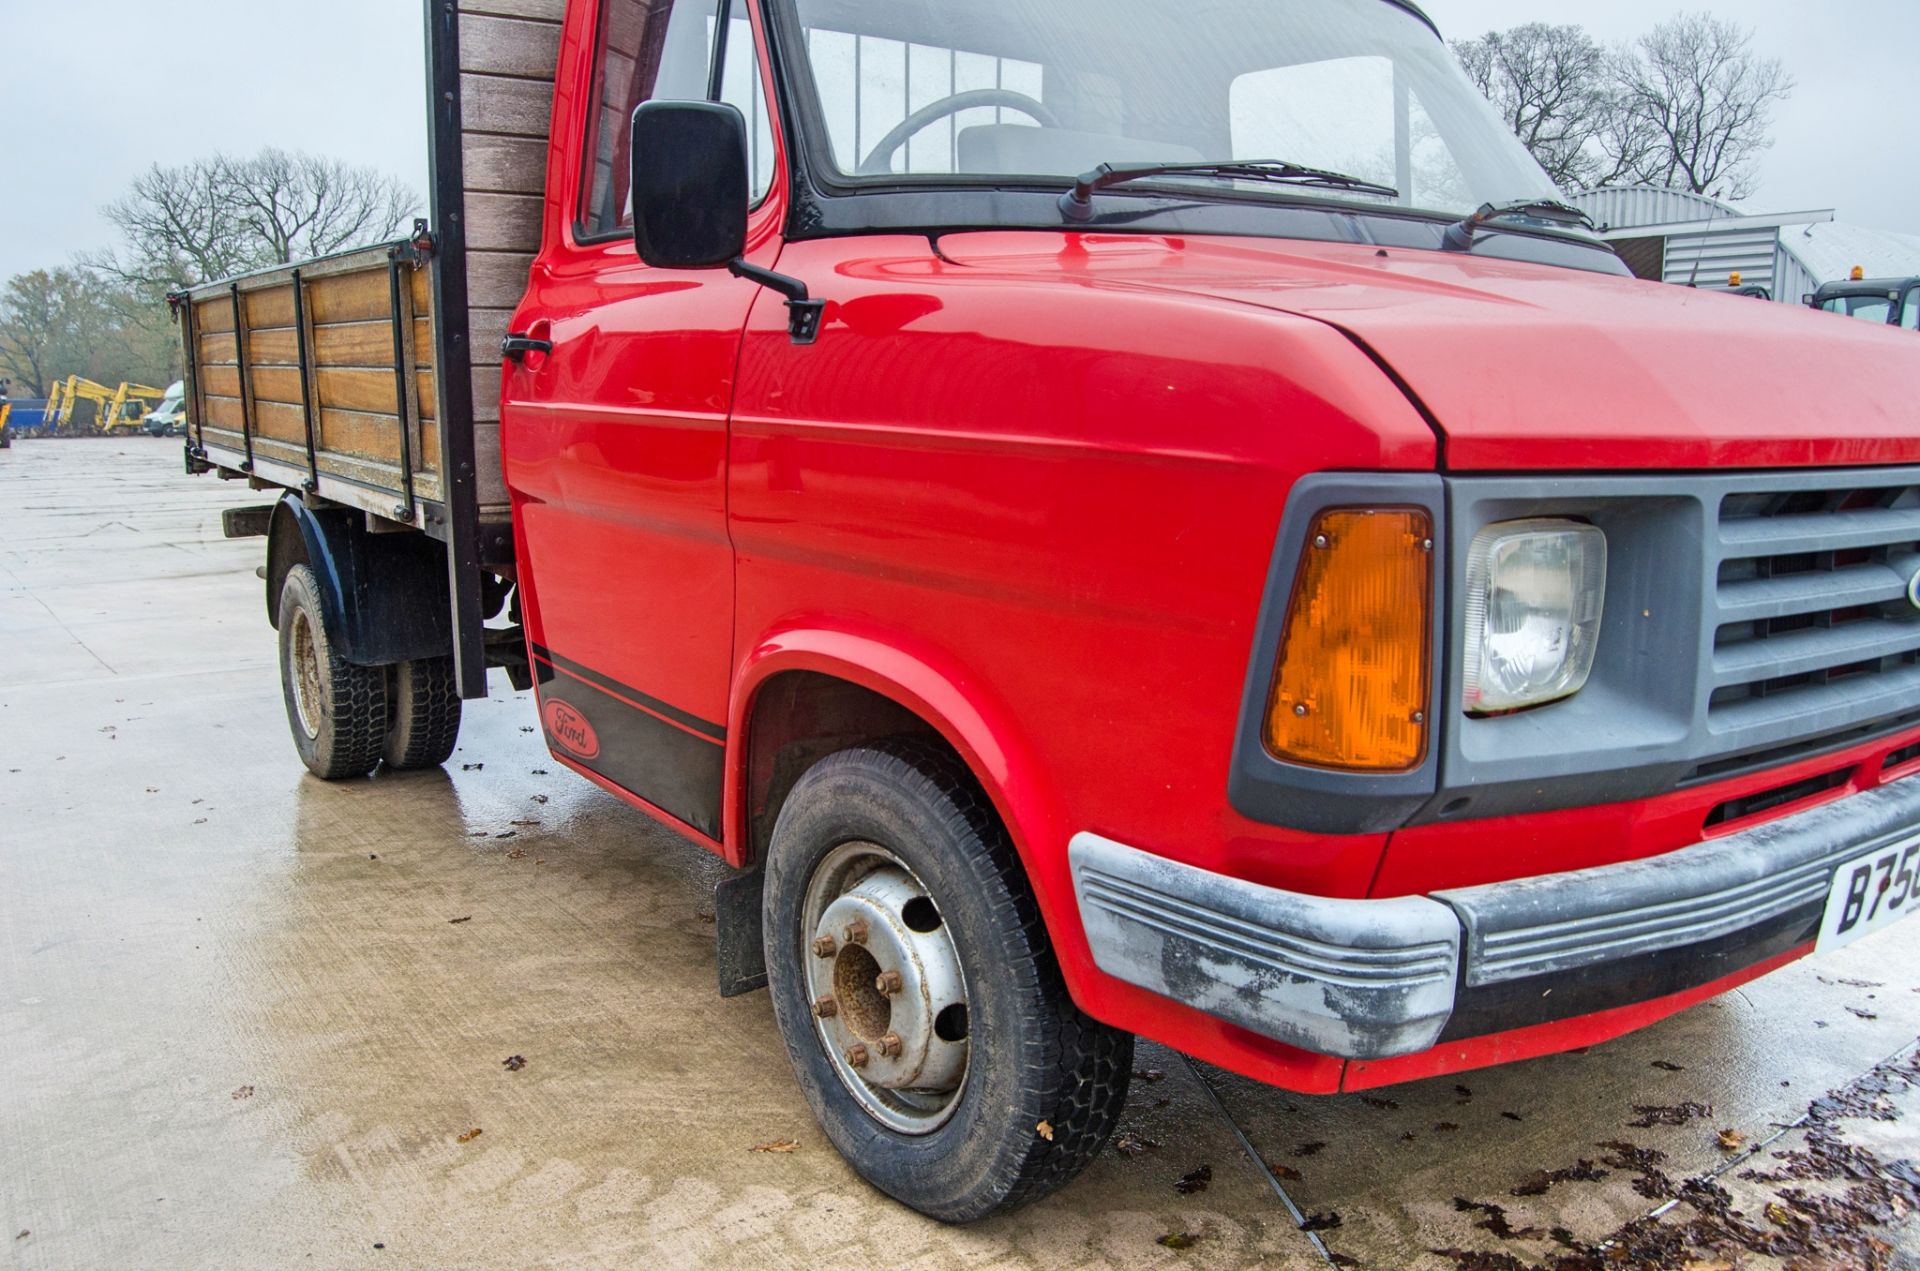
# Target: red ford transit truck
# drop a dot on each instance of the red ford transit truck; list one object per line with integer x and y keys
{"x": 1140, "y": 519}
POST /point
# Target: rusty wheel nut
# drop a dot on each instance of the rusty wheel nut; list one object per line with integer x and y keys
{"x": 857, "y": 931}
{"x": 890, "y": 1046}
{"x": 889, "y": 983}
{"x": 826, "y": 1007}
{"x": 824, "y": 947}
{"x": 857, "y": 1055}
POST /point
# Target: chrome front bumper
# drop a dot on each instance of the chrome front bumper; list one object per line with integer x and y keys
{"x": 1372, "y": 979}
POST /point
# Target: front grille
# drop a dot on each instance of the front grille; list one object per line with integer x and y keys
{"x": 1815, "y": 633}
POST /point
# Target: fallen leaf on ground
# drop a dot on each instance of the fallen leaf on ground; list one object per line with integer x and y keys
{"x": 1178, "y": 1240}
{"x": 1862, "y": 1014}
{"x": 704, "y": 916}
{"x": 1194, "y": 1180}
{"x": 1134, "y": 1145}
{"x": 1321, "y": 1222}
{"x": 513, "y": 1063}
{"x": 457, "y": 921}
{"x": 1675, "y": 1114}
{"x": 1149, "y": 1075}
{"x": 1463, "y": 1092}
{"x": 517, "y": 854}
{"x": 1445, "y": 1127}
{"x": 1731, "y": 1140}
{"x": 1374, "y": 1101}
{"x": 244, "y": 1092}
{"x": 1285, "y": 1173}
{"x": 469, "y": 1136}
{"x": 471, "y": 767}
{"x": 1308, "y": 1149}
{"x": 539, "y": 798}
{"x": 1045, "y": 1129}
{"x": 1665, "y": 1065}
{"x": 778, "y": 1145}
{"x": 1513, "y": 1116}
{"x": 23, "y": 1235}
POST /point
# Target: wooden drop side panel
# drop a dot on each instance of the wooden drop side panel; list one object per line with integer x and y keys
{"x": 260, "y": 395}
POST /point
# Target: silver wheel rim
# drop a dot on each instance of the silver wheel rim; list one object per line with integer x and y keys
{"x": 885, "y": 987}
{"x": 306, "y": 675}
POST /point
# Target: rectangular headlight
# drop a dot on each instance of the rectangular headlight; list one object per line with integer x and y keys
{"x": 1535, "y": 592}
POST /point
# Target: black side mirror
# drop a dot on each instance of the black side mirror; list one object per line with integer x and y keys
{"x": 689, "y": 184}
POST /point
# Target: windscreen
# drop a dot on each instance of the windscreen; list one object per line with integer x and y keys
{"x": 990, "y": 89}
{"x": 1868, "y": 308}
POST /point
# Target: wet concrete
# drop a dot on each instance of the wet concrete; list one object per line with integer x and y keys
{"x": 254, "y": 1020}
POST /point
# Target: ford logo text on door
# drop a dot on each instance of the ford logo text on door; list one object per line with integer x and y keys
{"x": 570, "y": 729}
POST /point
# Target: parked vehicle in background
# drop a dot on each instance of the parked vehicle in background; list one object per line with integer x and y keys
{"x": 169, "y": 418}
{"x": 1894, "y": 302}
{"x": 1147, "y": 521}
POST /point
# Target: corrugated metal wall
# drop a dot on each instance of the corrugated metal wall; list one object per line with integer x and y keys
{"x": 1709, "y": 259}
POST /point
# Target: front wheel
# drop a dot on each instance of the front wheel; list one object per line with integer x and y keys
{"x": 338, "y": 711}
{"x": 919, "y": 999}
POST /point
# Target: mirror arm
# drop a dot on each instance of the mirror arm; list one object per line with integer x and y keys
{"x": 803, "y": 312}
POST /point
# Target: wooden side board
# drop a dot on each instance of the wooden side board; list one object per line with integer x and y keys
{"x": 256, "y": 390}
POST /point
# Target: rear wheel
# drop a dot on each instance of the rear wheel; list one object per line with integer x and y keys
{"x": 423, "y": 714}
{"x": 919, "y": 999}
{"x": 338, "y": 711}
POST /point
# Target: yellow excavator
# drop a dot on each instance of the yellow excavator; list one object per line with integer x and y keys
{"x": 115, "y": 410}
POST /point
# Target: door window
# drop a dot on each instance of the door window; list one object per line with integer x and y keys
{"x": 665, "y": 50}
{"x": 1910, "y": 316}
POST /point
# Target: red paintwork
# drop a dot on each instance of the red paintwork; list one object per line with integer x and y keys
{"x": 1527, "y": 367}
{"x": 1028, "y": 486}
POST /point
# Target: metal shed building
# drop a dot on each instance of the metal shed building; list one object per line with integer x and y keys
{"x": 1692, "y": 240}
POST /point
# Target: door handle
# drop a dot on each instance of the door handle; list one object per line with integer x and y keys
{"x": 519, "y": 344}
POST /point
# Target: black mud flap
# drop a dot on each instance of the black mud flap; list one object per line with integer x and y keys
{"x": 739, "y": 950}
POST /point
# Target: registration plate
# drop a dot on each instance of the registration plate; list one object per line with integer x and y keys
{"x": 1871, "y": 893}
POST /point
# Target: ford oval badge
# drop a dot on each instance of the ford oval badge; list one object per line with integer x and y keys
{"x": 1913, "y": 590}
{"x": 570, "y": 729}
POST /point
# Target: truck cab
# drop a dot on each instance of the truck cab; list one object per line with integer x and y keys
{"x": 1893, "y": 302}
{"x": 1156, "y": 522}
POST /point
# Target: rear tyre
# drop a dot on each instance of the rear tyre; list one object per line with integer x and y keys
{"x": 337, "y": 711}
{"x": 423, "y": 714}
{"x": 918, "y": 996}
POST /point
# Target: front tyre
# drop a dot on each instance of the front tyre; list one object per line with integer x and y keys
{"x": 921, "y": 1005}
{"x": 337, "y": 711}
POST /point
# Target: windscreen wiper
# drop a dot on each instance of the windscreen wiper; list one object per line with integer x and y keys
{"x": 1077, "y": 204}
{"x": 1459, "y": 237}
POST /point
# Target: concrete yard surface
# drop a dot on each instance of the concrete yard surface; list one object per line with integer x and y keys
{"x": 469, "y": 1018}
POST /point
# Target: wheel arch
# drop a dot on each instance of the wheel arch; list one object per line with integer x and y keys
{"x": 906, "y": 689}
{"x": 383, "y": 596}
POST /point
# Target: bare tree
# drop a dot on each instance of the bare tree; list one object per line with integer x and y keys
{"x": 37, "y": 326}
{"x": 1698, "y": 106}
{"x": 61, "y": 322}
{"x": 298, "y": 206}
{"x": 1551, "y": 84}
{"x": 221, "y": 216}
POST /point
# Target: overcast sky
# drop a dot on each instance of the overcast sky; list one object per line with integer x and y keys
{"x": 93, "y": 91}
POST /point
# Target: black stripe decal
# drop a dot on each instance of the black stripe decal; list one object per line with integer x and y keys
{"x": 637, "y": 750}
{"x": 705, "y": 728}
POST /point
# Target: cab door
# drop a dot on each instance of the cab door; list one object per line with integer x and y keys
{"x": 615, "y": 441}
